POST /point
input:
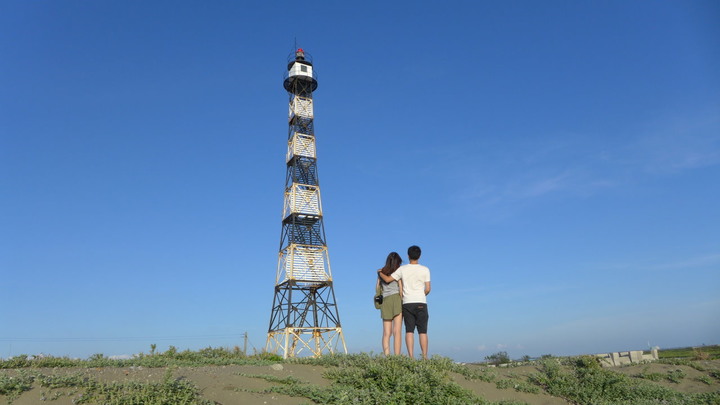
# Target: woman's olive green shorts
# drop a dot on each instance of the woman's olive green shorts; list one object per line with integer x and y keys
{"x": 391, "y": 307}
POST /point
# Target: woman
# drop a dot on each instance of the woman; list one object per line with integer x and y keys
{"x": 391, "y": 307}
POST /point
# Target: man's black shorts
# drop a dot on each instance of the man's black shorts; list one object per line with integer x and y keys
{"x": 415, "y": 314}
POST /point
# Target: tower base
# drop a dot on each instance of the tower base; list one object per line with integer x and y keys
{"x": 292, "y": 342}
{"x": 304, "y": 320}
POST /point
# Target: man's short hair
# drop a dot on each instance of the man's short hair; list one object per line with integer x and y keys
{"x": 414, "y": 252}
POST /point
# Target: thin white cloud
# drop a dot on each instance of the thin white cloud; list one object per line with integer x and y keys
{"x": 501, "y": 199}
{"x": 545, "y": 185}
{"x": 507, "y": 292}
{"x": 577, "y": 165}
{"x": 694, "y": 262}
{"x": 679, "y": 144}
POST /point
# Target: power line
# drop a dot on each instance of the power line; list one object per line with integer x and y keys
{"x": 115, "y": 338}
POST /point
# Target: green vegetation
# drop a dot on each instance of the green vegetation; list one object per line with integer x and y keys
{"x": 172, "y": 357}
{"x": 650, "y": 375}
{"x": 676, "y": 375}
{"x": 498, "y": 358}
{"x": 691, "y": 353}
{"x": 584, "y": 381}
{"x": 362, "y": 379}
{"x": 12, "y": 387}
{"x": 91, "y": 392}
{"x": 705, "y": 379}
{"x": 86, "y": 390}
{"x": 518, "y": 385}
{"x": 684, "y": 362}
{"x": 168, "y": 392}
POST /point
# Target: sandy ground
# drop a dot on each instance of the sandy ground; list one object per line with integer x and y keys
{"x": 230, "y": 384}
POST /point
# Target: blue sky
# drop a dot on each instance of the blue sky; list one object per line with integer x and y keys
{"x": 558, "y": 162}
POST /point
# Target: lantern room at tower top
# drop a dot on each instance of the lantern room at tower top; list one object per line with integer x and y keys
{"x": 300, "y": 68}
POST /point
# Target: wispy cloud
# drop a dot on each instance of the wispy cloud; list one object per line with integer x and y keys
{"x": 507, "y": 292}
{"x": 502, "y": 197}
{"x": 678, "y": 144}
{"x": 510, "y": 176}
{"x": 688, "y": 263}
{"x": 545, "y": 185}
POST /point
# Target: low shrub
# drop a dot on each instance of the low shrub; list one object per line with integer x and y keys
{"x": 498, "y": 358}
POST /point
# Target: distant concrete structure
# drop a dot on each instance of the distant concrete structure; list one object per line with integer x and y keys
{"x": 630, "y": 357}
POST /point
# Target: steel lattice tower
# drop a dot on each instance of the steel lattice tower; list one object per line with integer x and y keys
{"x": 304, "y": 313}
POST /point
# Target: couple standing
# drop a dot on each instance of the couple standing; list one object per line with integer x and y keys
{"x": 404, "y": 289}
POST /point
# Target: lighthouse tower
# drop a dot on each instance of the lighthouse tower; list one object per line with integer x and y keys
{"x": 304, "y": 318}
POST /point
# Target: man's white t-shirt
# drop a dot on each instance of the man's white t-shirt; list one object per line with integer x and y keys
{"x": 414, "y": 277}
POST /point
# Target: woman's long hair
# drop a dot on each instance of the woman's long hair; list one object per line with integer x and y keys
{"x": 392, "y": 263}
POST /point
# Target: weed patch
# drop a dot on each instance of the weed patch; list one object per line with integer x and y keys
{"x": 171, "y": 358}
{"x": 53, "y": 381}
{"x": 168, "y": 392}
{"x": 12, "y": 387}
{"x": 697, "y": 353}
{"x": 517, "y": 385}
{"x": 363, "y": 379}
{"x": 705, "y": 379}
{"x": 676, "y": 376}
{"x": 649, "y": 375}
{"x": 683, "y": 362}
{"x": 585, "y": 382}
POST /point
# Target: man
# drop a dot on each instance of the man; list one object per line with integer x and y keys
{"x": 416, "y": 286}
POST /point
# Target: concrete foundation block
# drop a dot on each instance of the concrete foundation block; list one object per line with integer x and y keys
{"x": 636, "y": 356}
